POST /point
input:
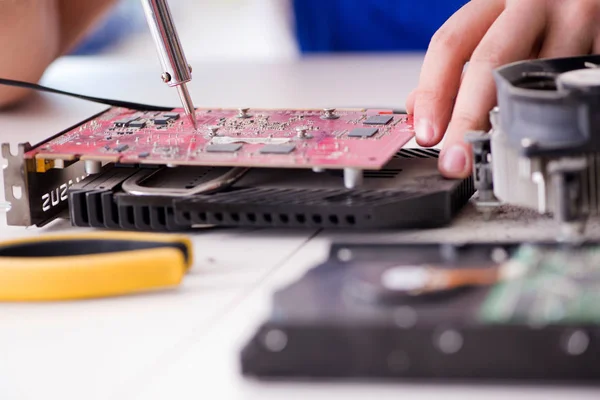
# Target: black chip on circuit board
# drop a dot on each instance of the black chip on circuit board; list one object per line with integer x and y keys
{"x": 172, "y": 116}
{"x": 124, "y": 122}
{"x": 278, "y": 148}
{"x": 161, "y": 121}
{"x": 378, "y": 120}
{"x": 223, "y": 148}
{"x": 137, "y": 124}
{"x": 363, "y": 132}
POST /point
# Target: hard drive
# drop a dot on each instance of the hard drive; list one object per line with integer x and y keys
{"x": 482, "y": 312}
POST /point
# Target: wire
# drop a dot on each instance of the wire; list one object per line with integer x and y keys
{"x": 110, "y": 102}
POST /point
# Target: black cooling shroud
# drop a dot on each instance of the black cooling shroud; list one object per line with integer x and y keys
{"x": 408, "y": 193}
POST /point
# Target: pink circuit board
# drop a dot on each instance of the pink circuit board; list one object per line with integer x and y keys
{"x": 333, "y": 139}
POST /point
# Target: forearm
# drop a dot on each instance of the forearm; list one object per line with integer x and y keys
{"x": 29, "y": 41}
{"x": 33, "y": 33}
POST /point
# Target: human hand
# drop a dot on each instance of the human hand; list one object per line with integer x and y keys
{"x": 487, "y": 34}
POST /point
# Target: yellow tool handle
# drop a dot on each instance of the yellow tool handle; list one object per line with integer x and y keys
{"x": 92, "y": 275}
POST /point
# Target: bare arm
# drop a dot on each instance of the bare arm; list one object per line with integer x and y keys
{"x": 33, "y": 33}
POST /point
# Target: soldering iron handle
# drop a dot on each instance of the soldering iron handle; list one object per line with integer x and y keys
{"x": 176, "y": 69}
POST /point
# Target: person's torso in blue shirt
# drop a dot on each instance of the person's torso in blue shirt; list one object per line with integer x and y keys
{"x": 369, "y": 25}
{"x": 322, "y": 25}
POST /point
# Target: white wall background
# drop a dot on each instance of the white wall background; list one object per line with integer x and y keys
{"x": 223, "y": 30}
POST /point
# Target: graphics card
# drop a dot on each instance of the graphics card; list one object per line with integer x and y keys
{"x": 151, "y": 170}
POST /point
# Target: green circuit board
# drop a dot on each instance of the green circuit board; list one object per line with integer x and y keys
{"x": 561, "y": 285}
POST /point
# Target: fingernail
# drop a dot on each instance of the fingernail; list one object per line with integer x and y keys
{"x": 454, "y": 160}
{"x": 424, "y": 131}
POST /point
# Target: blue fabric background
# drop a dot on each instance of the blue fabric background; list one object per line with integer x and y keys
{"x": 125, "y": 19}
{"x": 321, "y": 25}
{"x": 369, "y": 25}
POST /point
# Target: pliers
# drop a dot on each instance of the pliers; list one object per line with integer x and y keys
{"x": 91, "y": 265}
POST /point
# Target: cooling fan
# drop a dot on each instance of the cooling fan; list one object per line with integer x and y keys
{"x": 543, "y": 148}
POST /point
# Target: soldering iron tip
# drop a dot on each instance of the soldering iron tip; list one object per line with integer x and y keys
{"x": 192, "y": 117}
{"x": 188, "y": 105}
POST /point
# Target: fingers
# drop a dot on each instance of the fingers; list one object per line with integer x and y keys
{"x": 596, "y": 45}
{"x": 595, "y": 31}
{"x": 410, "y": 102}
{"x": 511, "y": 37}
{"x": 450, "y": 48}
{"x": 571, "y": 29}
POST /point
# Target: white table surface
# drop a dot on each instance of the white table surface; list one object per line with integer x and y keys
{"x": 184, "y": 344}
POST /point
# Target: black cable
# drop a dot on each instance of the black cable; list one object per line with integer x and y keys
{"x": 110, "y": 102}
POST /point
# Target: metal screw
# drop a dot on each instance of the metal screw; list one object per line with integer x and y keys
{"x": 275, "y": 340}
{"x": 527, "y": 143}
{"x": 345, "y": 255}
{"x": 577, "y": 343}
{"x": 190, "y": 68}
{"x": 329, "y": 113}
{"x": 301, "y": 131}
{"x": 499, "y": 255}
{"x": 243, "y": 112}
{"x": 450, "y": 342}
{"x": 166, "y": 77}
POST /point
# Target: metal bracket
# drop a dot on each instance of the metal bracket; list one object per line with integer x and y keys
{"x": 567, "y": 174}
{"x": 483, "y": 179}
{"x": 36, "y": 198}
{"x": 16, "y": 185}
